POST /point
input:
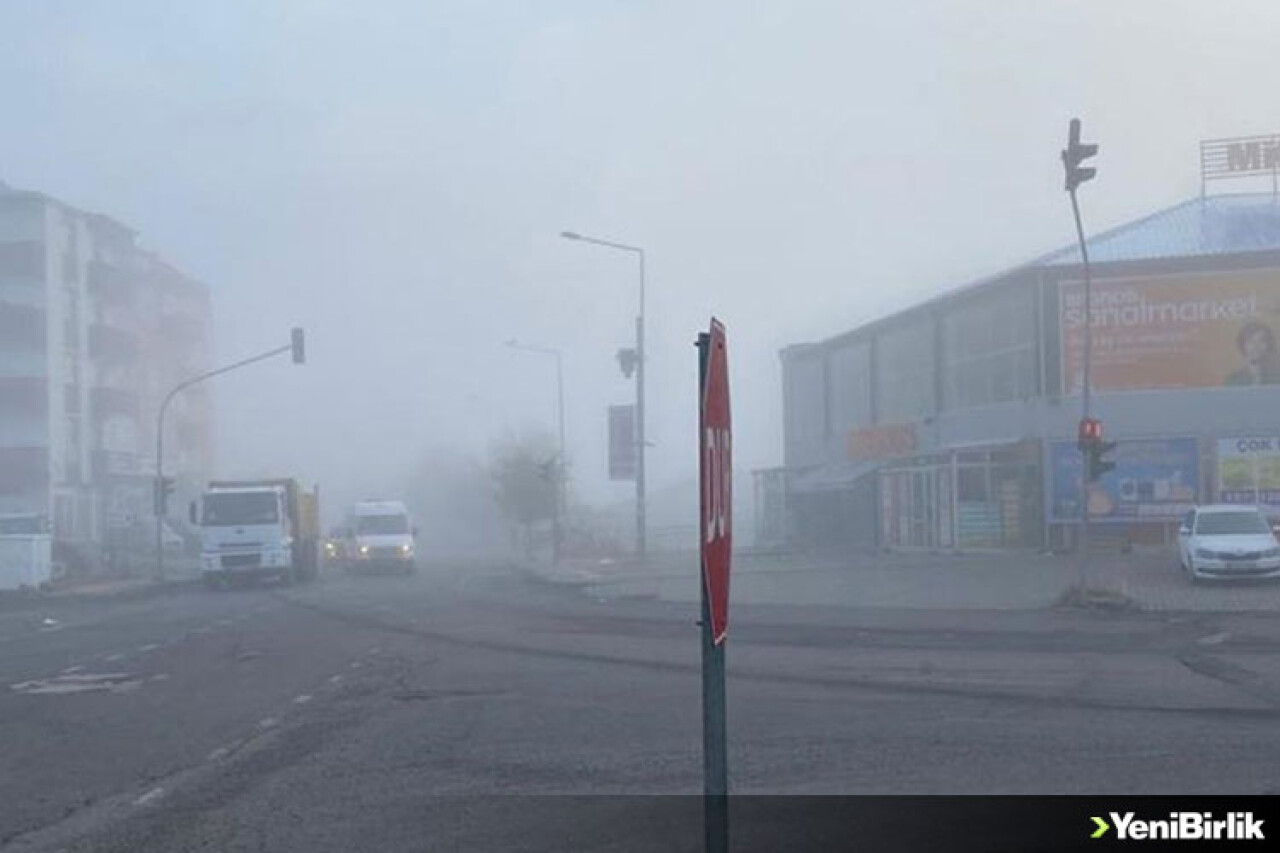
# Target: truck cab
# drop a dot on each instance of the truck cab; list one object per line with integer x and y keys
{"x": 379, "y": 535}
{"x": 256, "y": 529}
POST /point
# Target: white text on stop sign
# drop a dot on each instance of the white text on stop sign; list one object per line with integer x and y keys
{"x": 717, "y": 484}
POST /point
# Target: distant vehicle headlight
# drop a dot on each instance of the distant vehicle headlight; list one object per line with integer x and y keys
{"x": 408, "y": 549}
{"x": 364, "y": 549}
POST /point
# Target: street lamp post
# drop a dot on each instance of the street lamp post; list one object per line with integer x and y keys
{"x": 295, "y": 346}
{"x": 640, "y": 368}
{"x": 556, "y": 533}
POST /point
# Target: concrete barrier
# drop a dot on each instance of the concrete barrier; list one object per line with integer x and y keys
{"x": 25, "y": 560}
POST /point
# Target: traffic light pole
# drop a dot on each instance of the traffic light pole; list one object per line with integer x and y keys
{"x": 1086, "y": 397}
{"x": 161, "y": 493}
{"x": 1073, "y": 157}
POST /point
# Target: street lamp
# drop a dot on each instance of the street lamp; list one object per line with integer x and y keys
{"x": 296, "y": 346}
{"x": 640, "y": 439}
{"x": 560, "y": 496}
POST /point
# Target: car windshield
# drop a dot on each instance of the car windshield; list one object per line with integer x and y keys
{"x": 1228, "y": 523}
{"x": 233, "y": 509}
{"x": 382, "y": 524}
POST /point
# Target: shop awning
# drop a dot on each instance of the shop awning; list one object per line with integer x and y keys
{"x": 830, "y": 478}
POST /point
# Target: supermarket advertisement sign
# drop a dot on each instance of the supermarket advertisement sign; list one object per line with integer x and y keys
{"x": 1249, "y": 471}
{"x": 1154, "y": 480}
{"x": 1186, "y": 331}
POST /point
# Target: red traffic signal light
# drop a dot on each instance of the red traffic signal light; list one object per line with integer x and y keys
{"x": 1090, "y": 432}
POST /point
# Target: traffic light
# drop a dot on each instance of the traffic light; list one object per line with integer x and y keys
{"x": 627, "y": 359}
{"x": 1074, "y": 154}
{"x": 1096, "y": 458}
{"x": 162, "y": 488}
{"x": 297, "y": 343}
{"x": 1088, "y": 433}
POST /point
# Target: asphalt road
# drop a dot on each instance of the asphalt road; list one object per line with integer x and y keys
{"x": 413, "y": 713}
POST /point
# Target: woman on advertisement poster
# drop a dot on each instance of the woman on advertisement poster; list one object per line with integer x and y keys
{"x": 1257, "y": 344}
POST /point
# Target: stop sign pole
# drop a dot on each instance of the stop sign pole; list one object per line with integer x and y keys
{"x": 716, "y": 525}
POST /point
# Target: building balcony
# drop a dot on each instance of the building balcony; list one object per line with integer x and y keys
{"x": 114, "y": 463}
{"x": 22, "y": 259}
{"x": 23, "y": 470}
{"x": 25, "y": 395}
{"x": 22, "y": 326}
{"x": 111, "y": 285}
{"x": 113, "y": 402}
{"x": 112, "y": 345}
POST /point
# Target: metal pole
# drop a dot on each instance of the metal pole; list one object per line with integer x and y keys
{"x": 560, "y": 468}
{"x": 640, "y": 433}
{"x": 715, "y": 761}
{"x": 1085, "y": 393}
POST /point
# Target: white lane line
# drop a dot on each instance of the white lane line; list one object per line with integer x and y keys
{"x": 149, "y": 797}
{"x": 355, "y": 664}
{"x": 71, "y": 670}
{"x": 113, "y": 658}
{"x": 267, "y": 723}
{"x": 302, "y": 700}
{"x": 335, "y": 679}
{"x": 160, "y": 676}
{"x": 149, "y": 647}
{"x": 219, "y": 754}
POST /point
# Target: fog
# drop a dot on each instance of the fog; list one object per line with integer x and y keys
{"x": 394, "y": 178}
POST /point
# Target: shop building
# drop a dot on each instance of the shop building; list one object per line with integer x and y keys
{"x": 951, "y": 425}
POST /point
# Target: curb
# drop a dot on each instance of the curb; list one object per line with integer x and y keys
{"x": 28, "y": 598}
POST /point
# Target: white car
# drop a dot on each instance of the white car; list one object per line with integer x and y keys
{"x": 1228, "y": 541}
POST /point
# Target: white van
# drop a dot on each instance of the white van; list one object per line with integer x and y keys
{"x": 379, "y": 536}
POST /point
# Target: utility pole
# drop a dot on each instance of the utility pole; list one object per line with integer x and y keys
{"x": 640, "y": 369}
{"x": 1076, "y": 174}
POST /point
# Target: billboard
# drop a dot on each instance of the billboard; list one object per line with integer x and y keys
{"x": 622, "y": 442}
{"x": 1154, "y": 480}
{"x": 1249, "y": 471}
{"x": 1187, "y": 331}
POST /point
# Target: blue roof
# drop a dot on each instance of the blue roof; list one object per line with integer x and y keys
{"x": 1214, "y": 225}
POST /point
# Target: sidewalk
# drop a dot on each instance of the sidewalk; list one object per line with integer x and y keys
{"x": 140, "y": 583}
{"x": 1143, "y": 580}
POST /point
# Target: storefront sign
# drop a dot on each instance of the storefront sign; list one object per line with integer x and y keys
{"x": 1249, "y": 471}
{"x": 882, "y": 442}
{"x": 1200, "y": 331}
{"x": 1154, "y": 480}
{"x": 1239, "y": 157}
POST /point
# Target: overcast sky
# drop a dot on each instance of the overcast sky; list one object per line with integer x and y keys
{"x": 393, "y": 176}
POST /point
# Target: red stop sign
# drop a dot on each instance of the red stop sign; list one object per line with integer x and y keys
{"x": 716, "y": 476}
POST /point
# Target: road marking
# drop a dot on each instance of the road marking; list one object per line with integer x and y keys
{"x": 219, "y": 753}
{"x": 113, "y": 658}
{"x": 113, "y": 682}
{"x": 71, "y": 670}
{"x": 1214, "y": 639}
{"x": 302, "y": 700}
{"x": 267, "y": 723}
{"x": 160, "y": 676}
{"x": 355, "y": 664}
{"x": 149, "y": 797}
{"x": 149, "y": 647}
{"x": 335, "y": 679}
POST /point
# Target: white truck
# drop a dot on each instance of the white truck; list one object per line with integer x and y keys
{"x": 379, "y": 535}
{"x": 257, "y": 529}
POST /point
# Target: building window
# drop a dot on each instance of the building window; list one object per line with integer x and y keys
{"x": 989, "y": 348}
{"x": 905, "y": 373}
{"x": 849, "y": 375}
{"x": 806, "y": 420}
